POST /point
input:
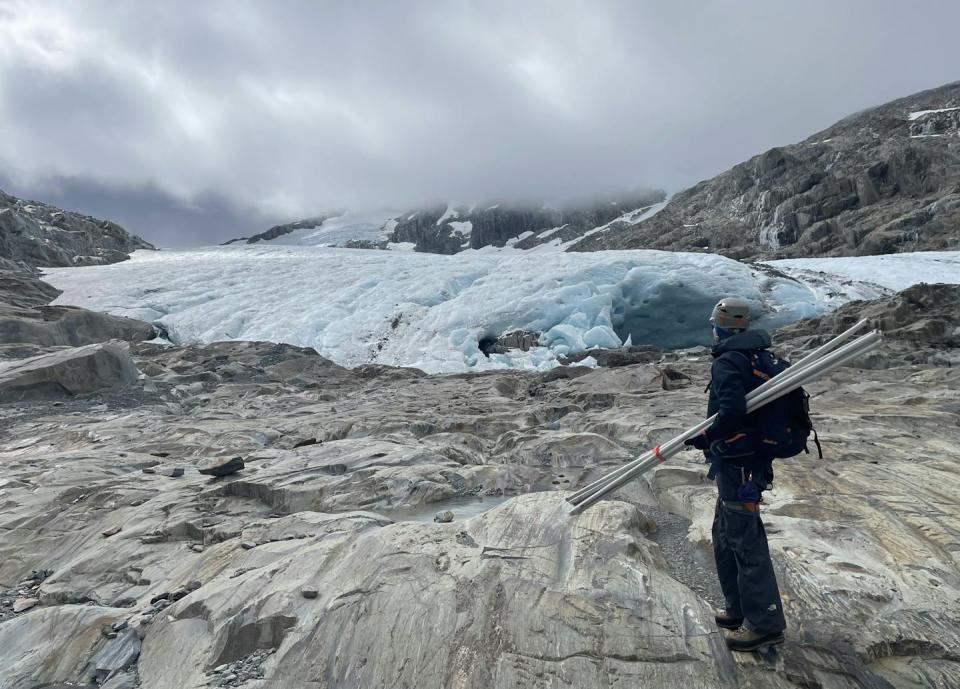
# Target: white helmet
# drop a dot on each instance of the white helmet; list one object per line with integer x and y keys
{"x": 731, "y": 313}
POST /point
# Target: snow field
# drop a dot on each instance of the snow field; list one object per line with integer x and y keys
{"x": 892, "y": 271}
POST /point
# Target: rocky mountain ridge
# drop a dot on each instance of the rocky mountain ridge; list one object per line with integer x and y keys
{"x": 281, "y": 230}
{"x": 34, "y": 234}
{"x": 883, "y": 180}
{"x": 449, "y": 229}
{"x": 446, "y": 229}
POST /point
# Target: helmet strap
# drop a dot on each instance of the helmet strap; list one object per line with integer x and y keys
{"x": 719, "y": 334}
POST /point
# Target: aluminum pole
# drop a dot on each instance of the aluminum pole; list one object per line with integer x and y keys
{"x": 759, "y": 392}
{"x": 831, "y": 345}
{"x": 663, "y": 452}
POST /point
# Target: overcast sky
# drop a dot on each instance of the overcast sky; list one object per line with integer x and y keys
{"x": 193, "y": 121}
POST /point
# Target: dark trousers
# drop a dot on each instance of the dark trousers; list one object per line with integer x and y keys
{"x": 746, "y": 573}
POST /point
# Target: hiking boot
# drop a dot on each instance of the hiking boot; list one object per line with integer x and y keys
{"x": 746, "y": 640}
{"x": 726, "y": 620}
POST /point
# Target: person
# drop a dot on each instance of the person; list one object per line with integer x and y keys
{"x": 742, "y": 470}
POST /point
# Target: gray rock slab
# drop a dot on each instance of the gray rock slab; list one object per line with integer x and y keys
{"x": 864, "y": 542}
{"x": 73, "y": 371}
{"x": 117, "y": 655}
{"x": 125, "y": 680}
{"x": 50, "y": 645}
{"x": 168, "y": 471}
{"x": 69, "y": 326}
{"x": 221, "y": 466}
{"x": 24, "y": 604}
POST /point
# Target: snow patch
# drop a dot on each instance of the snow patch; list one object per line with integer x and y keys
{"x": 451, "y": 212}
{"x": 519, "y": 238}
{"x": 631, "y": 217}
{"x": 923, "y": 113}
{"x": 552, "y": 230}
{"x": 647, "y": 212}
{"x": 464, "y": 228}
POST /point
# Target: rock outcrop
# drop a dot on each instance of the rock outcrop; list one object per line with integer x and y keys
{"x": 921, "y": 325}
{"x": 926, "y": 315}
{"x": 68, "y": 326}
{"x": 35, "y": 234}
{"x": 281, "y": 230}
{"x": 448, "y": 230}
{"x": 320, "y": 563}
{"x": 74, "y": 371}
{"x": 19, "y": 290}
{"x": 881, "y": 181}
{"x": 27, "y": 323}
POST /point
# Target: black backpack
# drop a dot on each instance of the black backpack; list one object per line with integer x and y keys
{"x": 784, "y": 424}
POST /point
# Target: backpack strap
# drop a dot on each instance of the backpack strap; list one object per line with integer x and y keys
{"x": 816, "y": 441}
{"x": 756, "y": 367}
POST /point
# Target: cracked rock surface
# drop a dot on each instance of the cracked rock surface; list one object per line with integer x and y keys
{"x": 207, "y": 573}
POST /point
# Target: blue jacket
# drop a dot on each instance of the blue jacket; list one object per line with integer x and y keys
{"x": 731, "y": 378}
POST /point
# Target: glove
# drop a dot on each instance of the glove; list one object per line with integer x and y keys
{"x": 698, "y": 441}
{"x": 748, "y": 492}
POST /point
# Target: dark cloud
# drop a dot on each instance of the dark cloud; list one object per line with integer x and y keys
{"x": 149, "y": 212}
{"x": 167, "y": 115}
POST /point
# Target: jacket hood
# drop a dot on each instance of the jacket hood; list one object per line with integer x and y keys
{"x": 746, "y": 341}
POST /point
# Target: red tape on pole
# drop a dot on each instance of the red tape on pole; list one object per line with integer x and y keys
{"x": 658, "y": 455}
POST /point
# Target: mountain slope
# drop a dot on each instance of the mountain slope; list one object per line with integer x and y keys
{"x": 280, "y": 230}
{"x": 35, "y": 234}
{"x": 880, "y": 181}
{"x": 449, "y": 230}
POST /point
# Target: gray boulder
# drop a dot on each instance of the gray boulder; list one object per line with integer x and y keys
{"x": 222, "y": 466}
{"x": 24, "y": 291}
{"x": 73, "y": 371}
{"x": 68, "y": 326}
{"x": 517, "y": 339}
{"x": 116, "y": 656}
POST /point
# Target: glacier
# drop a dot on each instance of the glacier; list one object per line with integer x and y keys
{"x": 890, "y": 271}
{"x": 431, "y": 311}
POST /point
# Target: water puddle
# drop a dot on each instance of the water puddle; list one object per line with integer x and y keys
{"x": 463, "y": 507}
